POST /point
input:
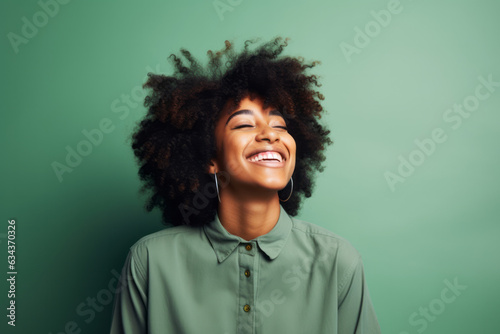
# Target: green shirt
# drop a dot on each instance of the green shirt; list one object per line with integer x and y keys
{"x": 298, "y": 278}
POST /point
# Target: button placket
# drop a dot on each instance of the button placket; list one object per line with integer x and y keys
{"x": 246, "y": 317}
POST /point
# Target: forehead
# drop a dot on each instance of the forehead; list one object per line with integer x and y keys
{"x": 246, "y": 107}
{"x": 250, "y": 112}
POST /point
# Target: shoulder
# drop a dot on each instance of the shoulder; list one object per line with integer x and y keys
{"x": 163, "y": 240}
{"x": 327, "y": 237}
{"x": 339, "y": 250}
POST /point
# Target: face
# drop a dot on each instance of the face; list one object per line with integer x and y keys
{"x": 254, "y": 147}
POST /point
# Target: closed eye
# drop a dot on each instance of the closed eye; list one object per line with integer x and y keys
{"x": 243, "y": 126}
{"x": 247, "y": 125}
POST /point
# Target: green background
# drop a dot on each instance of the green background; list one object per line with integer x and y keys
{"x": 441, "y": 223}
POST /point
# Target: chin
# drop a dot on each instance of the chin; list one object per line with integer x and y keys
{"x": 275, "y": 185}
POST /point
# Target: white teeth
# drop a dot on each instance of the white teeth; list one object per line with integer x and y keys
{"x": 267, "y": 155}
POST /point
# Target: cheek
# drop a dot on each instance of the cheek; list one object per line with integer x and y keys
{"x": 293, "y": 150}
{"x": 231, "y": 155}
{"x": 292, "y": 146}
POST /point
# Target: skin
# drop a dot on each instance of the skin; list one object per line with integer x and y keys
{"x": 250, "y": 205}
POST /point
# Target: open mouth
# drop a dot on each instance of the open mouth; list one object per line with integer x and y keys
{"x": 269, "y": 156}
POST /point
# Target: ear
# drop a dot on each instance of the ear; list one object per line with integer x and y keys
{"x": 213, "y": 167}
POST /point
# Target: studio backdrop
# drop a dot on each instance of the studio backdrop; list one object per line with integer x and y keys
{"x": 412, "y": 100}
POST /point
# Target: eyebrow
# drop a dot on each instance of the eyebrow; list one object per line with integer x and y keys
{"x": 273, "y": 112}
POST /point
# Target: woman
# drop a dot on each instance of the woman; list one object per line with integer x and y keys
{"x": 229, "y": 151}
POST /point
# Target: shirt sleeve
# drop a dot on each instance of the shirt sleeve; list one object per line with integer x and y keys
{"x": 356, "y": 314}
{"x": 130, "y": 307}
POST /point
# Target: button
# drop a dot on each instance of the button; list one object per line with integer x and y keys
{"x": 246, "y": 308}
{"x": 248, "y": 247}
{"x": 247, "y": 273}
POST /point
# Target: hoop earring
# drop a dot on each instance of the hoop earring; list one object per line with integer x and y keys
{"x": 291, "y": 191}
{"x": 217, "y": 186}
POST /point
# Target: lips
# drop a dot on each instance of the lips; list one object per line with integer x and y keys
{"x": 266, "y": 156}
{"x": 271, "y": 154}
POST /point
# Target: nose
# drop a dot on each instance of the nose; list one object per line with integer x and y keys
{"x": 268, "y": 133}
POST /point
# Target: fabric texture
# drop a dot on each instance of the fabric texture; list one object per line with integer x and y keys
{"x": 298, "y": 278}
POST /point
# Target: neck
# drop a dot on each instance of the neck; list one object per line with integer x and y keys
{"x": 249, "y": 217}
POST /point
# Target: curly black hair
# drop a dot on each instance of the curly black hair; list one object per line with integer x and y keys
{"x": 175, "y": 141}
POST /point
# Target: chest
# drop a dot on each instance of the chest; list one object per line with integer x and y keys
{"x": 246, "y": 293}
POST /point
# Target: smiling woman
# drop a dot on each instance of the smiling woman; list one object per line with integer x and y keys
{"x": 246, "y": 126}
{"x": 256, "y": 142}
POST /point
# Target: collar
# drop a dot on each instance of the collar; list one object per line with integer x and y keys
{"x": 271, "y": 243}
